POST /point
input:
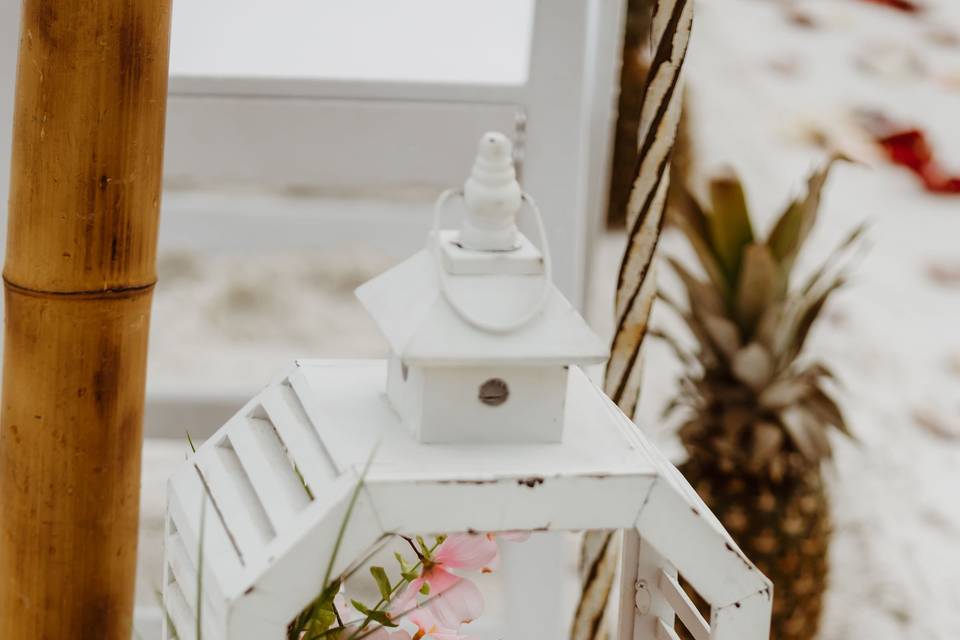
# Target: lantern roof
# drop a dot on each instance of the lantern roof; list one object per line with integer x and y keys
{"x": 481, "y": 294}
{"x": 423, "y": 328}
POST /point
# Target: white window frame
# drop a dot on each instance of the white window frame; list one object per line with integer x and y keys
{"x": 374, "y": 135}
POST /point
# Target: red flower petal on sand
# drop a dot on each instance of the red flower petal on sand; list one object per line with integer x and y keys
{"x": 909, "y": 148}
{"x": 907, "y": 6}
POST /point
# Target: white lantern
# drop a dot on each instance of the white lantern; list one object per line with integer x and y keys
{"x": 481, "y": 339}
{"x": 482, "y": 420}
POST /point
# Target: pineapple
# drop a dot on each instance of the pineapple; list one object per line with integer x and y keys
{"x": 758, "y": 413}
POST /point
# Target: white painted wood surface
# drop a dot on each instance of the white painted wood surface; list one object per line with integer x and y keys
{"x": 480, "y": 341}
{"x": 260, "y": 570}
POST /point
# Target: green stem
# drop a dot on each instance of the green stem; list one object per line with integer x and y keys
{"x": 393, "y": 592}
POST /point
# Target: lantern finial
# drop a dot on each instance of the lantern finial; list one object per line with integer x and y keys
{"x": 492, "y": 196}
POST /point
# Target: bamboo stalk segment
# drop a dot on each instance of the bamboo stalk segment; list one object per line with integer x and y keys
{"x": 80, "y": 267}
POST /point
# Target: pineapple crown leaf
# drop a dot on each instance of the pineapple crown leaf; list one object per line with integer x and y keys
{"x": 794, "y": 225}
{"x": 729, "y": 223}
{"x": 759, "y": 285}
{"x": 692, "y": 221}
{"x": 744, "y": 384}
{"x": 748, "y": 275}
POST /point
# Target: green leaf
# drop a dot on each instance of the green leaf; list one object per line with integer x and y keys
{"x": 329, "y": 593}
{"x": 690, "y": 219}
{"x": 359, "y": 606}
{"x": 793, "y": 227}
{"x": 381, "y": 617}
{"x": 320, "y": 622}
{"x": 383, "y": 582}
{"x": 424, "y": 549}
{"x": 404, "y": 567}
{"x": 730, "y": 229}
{"x": 757, "y": 287}
{"x": 425, "y": 588}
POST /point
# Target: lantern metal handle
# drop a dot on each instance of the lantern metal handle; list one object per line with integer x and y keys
{"x": 541, "y": 299}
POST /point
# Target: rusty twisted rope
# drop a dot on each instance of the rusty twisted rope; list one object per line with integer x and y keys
{"x": 636, "y": 286}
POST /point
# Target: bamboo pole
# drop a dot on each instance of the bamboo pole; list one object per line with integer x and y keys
{"x": 80, "y": 268}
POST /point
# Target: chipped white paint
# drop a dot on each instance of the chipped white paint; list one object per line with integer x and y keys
{"x": 259, "y": 571}
{"x": 519, "y": 439}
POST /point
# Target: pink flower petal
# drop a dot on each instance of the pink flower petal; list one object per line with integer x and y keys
{"x": 427, "y": 623}
{"x": 472, "y": 552}
{"x": 459, "y": 604}
{"x": 439, "y": 580}
{"x": 408, "y": 597}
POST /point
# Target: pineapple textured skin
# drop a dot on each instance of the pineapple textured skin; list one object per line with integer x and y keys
{"x": 757, "y": 414}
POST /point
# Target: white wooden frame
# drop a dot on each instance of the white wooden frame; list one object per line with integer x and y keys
{"x": 266, "y": 547}
{"x": 362, "y": 135}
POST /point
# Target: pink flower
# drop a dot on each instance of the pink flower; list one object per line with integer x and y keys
{"x": 469, "y": 551}
{"x": 448, "y": 609}
{"x": 449, "y": 600}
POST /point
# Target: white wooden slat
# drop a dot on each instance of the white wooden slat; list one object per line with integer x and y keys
{"x": 322, "y": 143}
{"x": 301, "y": 442}
{"x": 332, "y": 89}
{"x": 180, "y": 613}
{"x": 183, "y": 574}
{"x": 337, "y": 442}
{"x": 681, "y": 603}
{"x": 643, "y": 606}
{"x": 687, "y": 534}
{"x": 664, "y": 632}
{"x": 182, "y": 569}
{"x": 221, "y": 558}
{"x": 268, "y": 469}
{"x": 627, "y": 613}
{"x": 244, "y": 518}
